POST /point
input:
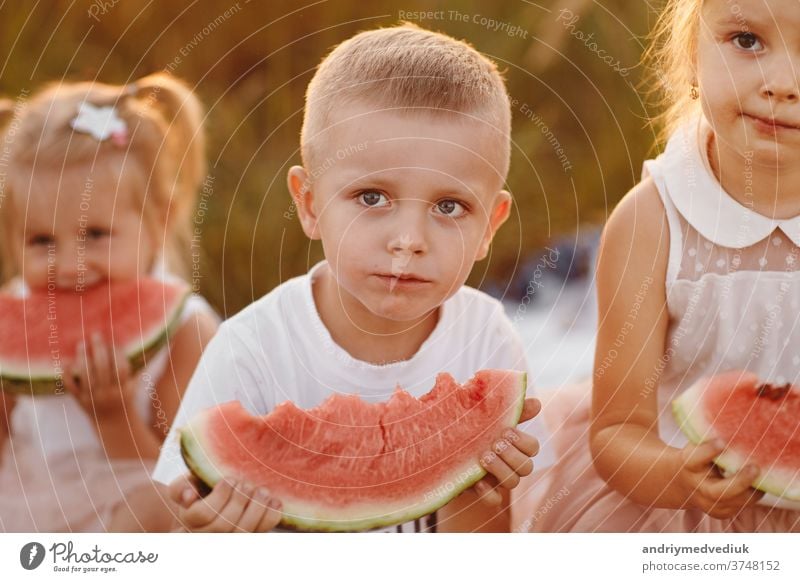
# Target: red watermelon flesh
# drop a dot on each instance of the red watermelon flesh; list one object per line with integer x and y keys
{"x": 348, "y": 465}
{"x": 41, "y": 331}
{"x": 759, "y": 422}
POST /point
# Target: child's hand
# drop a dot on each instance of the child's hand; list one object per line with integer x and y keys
{"x": 510, "y": 458}
{"x": 230, "y": 507}
{"x": 100, "y": 380}
{"x": 7, "y": 404}
{"x": 704, "y": 488}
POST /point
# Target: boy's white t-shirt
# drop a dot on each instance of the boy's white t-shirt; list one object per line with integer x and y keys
{"x": 278, "y": 349}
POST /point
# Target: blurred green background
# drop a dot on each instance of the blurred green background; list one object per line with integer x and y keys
{"x": 251, "y": 61}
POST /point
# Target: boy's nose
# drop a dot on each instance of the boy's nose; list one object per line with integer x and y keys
{"x": 409, "y": 236}
{"x": 408, "y": 242}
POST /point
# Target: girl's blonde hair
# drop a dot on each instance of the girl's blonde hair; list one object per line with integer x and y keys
{"x": 671, "y": 56}
{"x": 165, "y": 140}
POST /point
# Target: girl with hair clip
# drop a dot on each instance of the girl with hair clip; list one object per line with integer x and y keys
{"x": 697, "y": 276}
{"x": 116, "y": 168}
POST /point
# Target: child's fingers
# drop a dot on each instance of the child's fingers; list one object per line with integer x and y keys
{"x": 530, "y": 408}
{"x": 520, "y": 463}
{"x": 123, "y": 368}
{"x": 731, "y": 487}
{"x": 229, "y": 514}
{"x": 528, "y": 444}
{"x": 80, "y": 372}
{"x": 176, "y": 488}
{"x": 729, "y": 508}
{"x": 496, "y": 466}
{"x": 487, "y": 493}
{"x": 8, "y": 400}
{"x": 7, "y": 404}
{"x": 79, "y": 365}
{"x": 272, "y": 517}
{"x": 745, "y": 499}
{"x": 749, "y": 497}
{"x": 184, "y": 490}
{"x": 70, "y": 385}
{"x": 698, "y": 457}
{"x": 88, "y": 371}
{"x": 203, "y": 512}
{"x": 255, "y": 513}
{"x": 100, "y": 363}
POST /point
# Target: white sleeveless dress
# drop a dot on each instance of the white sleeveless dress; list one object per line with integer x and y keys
{"x": 54, "y": 473}
{"x": 733, "y": 295}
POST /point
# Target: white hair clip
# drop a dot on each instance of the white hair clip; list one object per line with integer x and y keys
{"x": 101, "y": 123}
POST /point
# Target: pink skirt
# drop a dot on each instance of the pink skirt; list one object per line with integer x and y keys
{"x": 69, "y": 493}
{"x": 570, "y": 496}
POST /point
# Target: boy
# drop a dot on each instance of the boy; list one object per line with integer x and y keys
{"x": 405, "y": 148}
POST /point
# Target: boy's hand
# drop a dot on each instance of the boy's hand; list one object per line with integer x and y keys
{"x": 99, "y": 380}
{"x": 230, "y": 507}
{"x": 704, "y": 487}
{"x": 510, "y": 458}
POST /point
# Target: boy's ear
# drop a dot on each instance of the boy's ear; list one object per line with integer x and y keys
{"x": 499, "y": 213}
{"x": 303, "y": 197}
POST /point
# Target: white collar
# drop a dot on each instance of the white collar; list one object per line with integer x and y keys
{"x": 702, "y": 201}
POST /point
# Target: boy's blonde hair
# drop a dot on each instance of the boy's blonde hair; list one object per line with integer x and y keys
{"x": 672, "y": 56}
{"x": 166, "y": 144}
{"x": 408, "y": 68}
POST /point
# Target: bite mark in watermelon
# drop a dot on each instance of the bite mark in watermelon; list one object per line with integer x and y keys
{"x": 759, "y": 423}
{"x": 348, "y": 465}
{"x": 41, "y": 331}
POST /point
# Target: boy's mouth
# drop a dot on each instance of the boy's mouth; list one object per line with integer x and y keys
{"x": 402, "y": 280}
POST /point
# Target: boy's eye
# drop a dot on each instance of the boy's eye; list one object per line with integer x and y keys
{"x": 450, "y": 208}
{"x": 41, "y": 240}
{"x": 373, "y": 199}
{"x": 747, "y": 41}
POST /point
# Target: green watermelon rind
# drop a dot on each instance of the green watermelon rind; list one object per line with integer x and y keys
{"x": 196, "y": 459}
{"x": 688, "y": 413}
{"x": 49, "y": 385}
{"x": 207, "y": 472}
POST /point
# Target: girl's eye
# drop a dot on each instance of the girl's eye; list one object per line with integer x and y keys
{"x": 373, "y": 199}
{"x": 41, "y": 240}
{"x": 96, "y": 233}
{"x": 747, "y": 41}
{"x": 450, "y": 208}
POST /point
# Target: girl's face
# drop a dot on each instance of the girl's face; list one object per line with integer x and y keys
{"x": 748, "y": 62}
{"x": 82, "y": 227}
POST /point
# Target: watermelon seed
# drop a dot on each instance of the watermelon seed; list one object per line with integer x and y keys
{"x": 773, "y": 392}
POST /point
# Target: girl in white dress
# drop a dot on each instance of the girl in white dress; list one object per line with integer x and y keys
{"x": 99, "y": 185}
{"x": 698, "y": 274}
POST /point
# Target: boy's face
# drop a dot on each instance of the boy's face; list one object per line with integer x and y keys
{"x": 404, "y": 205}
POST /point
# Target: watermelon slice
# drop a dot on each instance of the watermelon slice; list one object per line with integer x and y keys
{"x": 41, "y": 331}
{"x": 348, "y": 465}
{"x": 760, "y": 424}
